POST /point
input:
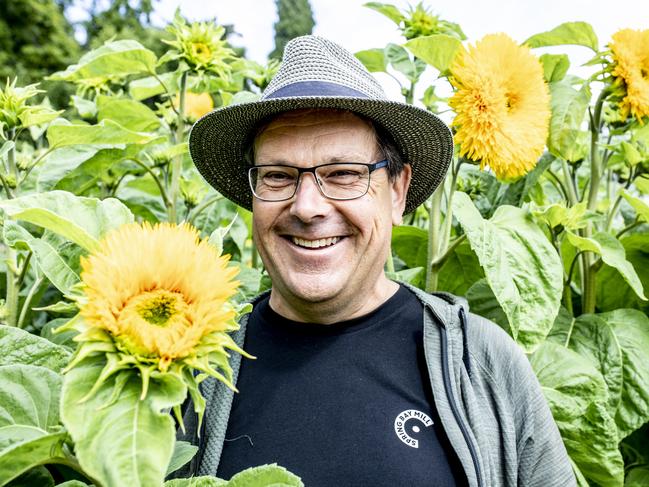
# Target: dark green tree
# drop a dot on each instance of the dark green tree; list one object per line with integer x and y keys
{"x": 35, "y": 40}
{"x": 295, "y": 19}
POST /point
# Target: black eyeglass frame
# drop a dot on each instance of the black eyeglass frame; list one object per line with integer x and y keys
{"x": 301, "y": 170}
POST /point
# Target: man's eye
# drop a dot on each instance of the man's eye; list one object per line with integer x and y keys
{"x": 278, "y": 177}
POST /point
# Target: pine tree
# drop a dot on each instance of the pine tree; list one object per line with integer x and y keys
{"x": 295, "y": 19}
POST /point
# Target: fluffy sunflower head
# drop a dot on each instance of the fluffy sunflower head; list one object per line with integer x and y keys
{"x": 630, "y": 52}
{"x": 157, "y": 298}
{"x": 201, "y": 45}
{"x": 502, "y": 105}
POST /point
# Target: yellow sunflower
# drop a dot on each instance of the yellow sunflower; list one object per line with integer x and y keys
{"x": 502, "y": 105}
{"x": 630, "y": 50}
{"x": 196, "y": 104}
{"x": 157, "y": 298}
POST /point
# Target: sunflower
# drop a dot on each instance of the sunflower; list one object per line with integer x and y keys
{"x": 201, "y": 45}
{"x": 502, "y": 105}
{"x": 157, "y": 298}
{"x": 630, "y": 49}
{"x": 196, "y": 104}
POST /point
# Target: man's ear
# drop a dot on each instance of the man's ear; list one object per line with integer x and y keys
{"x": 399, "y": 190}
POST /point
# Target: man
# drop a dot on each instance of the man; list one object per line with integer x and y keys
{"x": 358, "y": 380}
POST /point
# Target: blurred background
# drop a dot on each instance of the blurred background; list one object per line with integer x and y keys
{"x": 39, "y": 37}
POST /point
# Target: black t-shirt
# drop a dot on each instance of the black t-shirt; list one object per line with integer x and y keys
{"x": 345, "y": 404}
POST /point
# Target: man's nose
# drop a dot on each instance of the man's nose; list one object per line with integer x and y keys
{"x": 308, "y": 202}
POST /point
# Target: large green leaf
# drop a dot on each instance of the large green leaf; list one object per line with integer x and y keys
{"x": 520, "y": 264}
{"x": 613, "y": 254}
{"x": 49, "y": 261}
{"x": 566, "y": 138}
{"x": 24, "y": 447}
{"x": 437, "y": 50}
{"x": 113, "y": 59}
{"x": 631, "y": 329}
{"x": 130, "y": 114}
{"x": 105, "y": 133}
{"x": 81, "y": 220}
{"x": 578, "y": 396}
{"x": 37, "y": 476}
{"x": 265, "y": 476}
{"x": 555, "y": 66}
{"x": 373, "y": 59}
{"x": 575, "y": 33}
{"x": 592, "y": 337}
{"x": 399, "y": 59}
{"x": 483, "y": 302}
{"x": 613, "y": 291}
{"x": 409, "y": 243}
{"x": 132, "y": 439}
{"x": 460, "y": 271}
{"x": 143, "y": 88}
{"x": 183, "y": 453}
{"x": 390, "y": 11}
{"x": 641, "y": 208}
{"x": 29, "y": 396}
{"x": 205, "y": 481}
{"x": 21, "y": 347}
{"x": 61, "y": 161}
{"x": 637, "y": 477}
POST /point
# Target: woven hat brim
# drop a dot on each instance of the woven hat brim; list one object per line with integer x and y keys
{"x": 217, "y": 142}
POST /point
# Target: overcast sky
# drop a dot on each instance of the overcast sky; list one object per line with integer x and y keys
{"x": 356, "y": 27}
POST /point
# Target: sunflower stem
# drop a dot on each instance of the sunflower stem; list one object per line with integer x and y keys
{"x": 448, "y": 218}
{"x": 178, "y": 160}
{"x": 567, "y": 185}
{"x": 28, "y": 300}
{"x": 434, "y": 226}
{"x": 589, "y": 281}
{"x": 13, "y": 291}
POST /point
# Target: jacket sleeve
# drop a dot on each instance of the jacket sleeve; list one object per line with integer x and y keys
{"x": 542, "y": 456}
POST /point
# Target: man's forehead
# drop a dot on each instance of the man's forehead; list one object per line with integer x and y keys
{"x": 351, "y": 135}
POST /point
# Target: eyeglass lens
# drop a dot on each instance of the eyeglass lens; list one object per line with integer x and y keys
{"x": 337, "y": 181}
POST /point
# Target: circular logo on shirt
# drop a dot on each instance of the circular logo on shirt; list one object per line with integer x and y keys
{"x": 411, "y": 422}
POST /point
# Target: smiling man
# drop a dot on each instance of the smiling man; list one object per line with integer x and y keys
{"x": 359, "y": 380}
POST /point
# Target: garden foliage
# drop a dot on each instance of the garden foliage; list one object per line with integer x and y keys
{"x": 542, "y": 223}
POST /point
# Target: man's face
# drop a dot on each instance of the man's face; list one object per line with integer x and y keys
{"x": 320, "y": 251}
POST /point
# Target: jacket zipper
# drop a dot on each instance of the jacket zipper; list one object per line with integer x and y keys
{"x": 454, "y": 407}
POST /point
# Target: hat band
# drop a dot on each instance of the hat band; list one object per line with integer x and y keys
{"x": 314, "y": 88}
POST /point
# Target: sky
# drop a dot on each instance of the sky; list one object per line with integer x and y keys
{"x": 356, "y": 27}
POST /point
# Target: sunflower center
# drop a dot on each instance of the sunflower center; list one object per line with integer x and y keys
{"x": 157, "y": 307}
{"x": 201, "y": 51}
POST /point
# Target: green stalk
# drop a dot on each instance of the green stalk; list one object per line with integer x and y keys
{"x": 28, "y": 300}
{"x": 13, "y": 291}
{"x": 448, "y": 218}
{"x": 178, "y": 160}
{"x": 434, "y": 227}
{"x": 589, "y": 281}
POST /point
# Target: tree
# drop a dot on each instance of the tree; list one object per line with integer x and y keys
{"x": 35, "y": 40}
{"x": 295, "y": 19}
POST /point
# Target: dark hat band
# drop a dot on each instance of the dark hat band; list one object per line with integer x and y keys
{"x": 314, "y": 88}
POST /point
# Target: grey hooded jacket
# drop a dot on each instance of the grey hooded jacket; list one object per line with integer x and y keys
{"x": 487, "y": 396}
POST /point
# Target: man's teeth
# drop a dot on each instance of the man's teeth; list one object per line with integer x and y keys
{"x": 315, "y": 244}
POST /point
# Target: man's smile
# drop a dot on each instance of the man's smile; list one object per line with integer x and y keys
{"x": 314, "y": 243}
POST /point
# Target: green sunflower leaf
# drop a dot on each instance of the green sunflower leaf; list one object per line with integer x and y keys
{"x": 106, "y": 133}
{"x": 81, "y": 220}
{"x": 116, "y": 58}
{"x": 373, "y": 59}
{"x": 21, "y": 347}
{"x": 613, "y": 254}
{"x": 577, "y": 395}
{"x": 265, "y": 475}
{"x": 437, "y": 50}
{"x": 130, "y": 439}
{"x": 130, "y": 114}
{"x": 49, "y": 260}
{"x": 520, "y": 264}
{"x": 566, "y": 138}
{"x": 390, "y": 11}
{"x": 571, "y": 33}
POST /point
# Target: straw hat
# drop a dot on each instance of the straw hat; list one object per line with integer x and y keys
{"x": 317, "y": 73}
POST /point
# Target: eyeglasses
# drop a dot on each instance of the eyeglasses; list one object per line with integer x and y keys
{"x": 336, "y": 181}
